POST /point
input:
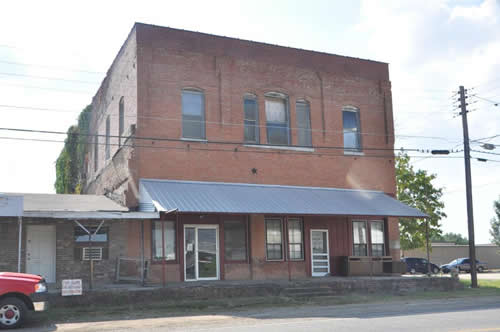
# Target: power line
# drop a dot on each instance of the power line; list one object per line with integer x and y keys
{"x": 161, "y": 118}
{"x": 184, "y": 140}
{"x": 45, "y": 88}
{"x": 48, "y": 78}
{"x": 248, "y": 149}
{"x": 52, "y": 67}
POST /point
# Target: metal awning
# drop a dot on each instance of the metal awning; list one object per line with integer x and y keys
{"x": 241, "y": 198}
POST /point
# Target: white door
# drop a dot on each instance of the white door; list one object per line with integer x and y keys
{"x": 41, "y": 251}
{"x": 320, "y": 255}
{"x": 201, "y": 252}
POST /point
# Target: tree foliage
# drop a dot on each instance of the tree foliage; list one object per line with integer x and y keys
{"x": 70, "y": 165}
{"x": 415, "y": 189}
{"x": 455, "y": 238}
{"x": 495, "y": 224}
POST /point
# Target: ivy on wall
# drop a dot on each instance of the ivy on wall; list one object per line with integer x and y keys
{"x": 70, "y": 165}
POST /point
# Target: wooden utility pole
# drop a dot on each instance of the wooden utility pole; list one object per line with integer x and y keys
{"x": 468, "y": 187}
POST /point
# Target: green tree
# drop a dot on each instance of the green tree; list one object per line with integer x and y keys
{"x": 495, "y": 224}
{"x": 415, "y": 189}
{"x": 70, "y": 165}
{"x": 455, "y": 238}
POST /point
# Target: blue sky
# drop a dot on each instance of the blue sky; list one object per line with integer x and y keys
{"x": 432, "y": 48}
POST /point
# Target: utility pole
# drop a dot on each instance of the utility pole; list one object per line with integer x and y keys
{"x": 468, "y": 185}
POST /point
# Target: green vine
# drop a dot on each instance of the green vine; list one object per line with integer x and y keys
{"x": 70, "y": 165}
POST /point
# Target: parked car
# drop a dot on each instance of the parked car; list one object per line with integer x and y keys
{"x": 463, "y": 264}
{"x": 415, "y": 264}
{"x": 20, "y": 293}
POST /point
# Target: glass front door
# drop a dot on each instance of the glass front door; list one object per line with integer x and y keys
{"x": 320, "y": 256}
{"x": 201, "y": 252}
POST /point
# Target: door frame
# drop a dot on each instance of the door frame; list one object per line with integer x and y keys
{"x": 324, "y": 230}
{"x": 53, "y": 247}
{"x": 217, "y": 255}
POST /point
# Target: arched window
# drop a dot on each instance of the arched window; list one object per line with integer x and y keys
{"x": 121, "y": 120}
{"x": 352, "y": 129}
{"x": 193, "y": 114}
{"x": 251, "y": 118}
{"x": 277, "y": 119}
{"x": 303, "y": 117}
{"x": 108, "y": 152}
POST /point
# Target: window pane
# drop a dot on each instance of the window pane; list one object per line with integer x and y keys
{"x": 295, "y": 239}
{"x": 169, "y": 235}
{"x": 276, "y": 121}
{"x": 359, "y": 232}
{"x": 251, "y": 120}
{"x": 107, "y": 138}
{"x": 303, "y": 123}
{"x": 235, "y": 240}
{"x": 351, "y": 130}
{"x": 193, "y": 115}
{"x": 121, "y": 118}
{"x": 82, "y": 236}
{"x": 274, "y": 239}
{"x": 377, "y": 232}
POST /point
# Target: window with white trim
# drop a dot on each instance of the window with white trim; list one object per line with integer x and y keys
{"x": 274, "y": 239}
{"x": 359, "y": 238}
{"x": 303, "y": 116}
{"x": 193, "y": 114}
{"x": 277, "y": 119}
{"x": 352, "y": 130}
{"x": 121, "y": 120}
{"x": 163, "y": 231}
{"x": 295, "y": 239}
{"x": 251, "y": 119}
{"x": 108, "y": 145}
{"x": 377, "y": 238}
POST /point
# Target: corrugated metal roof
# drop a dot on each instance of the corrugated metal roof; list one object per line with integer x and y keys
{"x": 217, "y": 197}
{"x": 72, "y": 203}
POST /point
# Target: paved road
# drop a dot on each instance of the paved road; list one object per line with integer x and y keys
{"x": 486, "y": 275}
{"x": 457, "y": 315}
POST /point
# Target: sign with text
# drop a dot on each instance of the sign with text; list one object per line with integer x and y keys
{"x": 71, "y": 287}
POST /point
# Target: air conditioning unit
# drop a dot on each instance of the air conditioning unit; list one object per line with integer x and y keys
{"x": 92, "y": 252}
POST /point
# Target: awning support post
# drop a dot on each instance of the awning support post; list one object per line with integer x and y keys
{"x": 19, "y": 245}
{"x": 91, "y": 259}
{"x": 142, "y": 254}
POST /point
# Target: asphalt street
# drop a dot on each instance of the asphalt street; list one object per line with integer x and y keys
{"x": 464, "y": 315}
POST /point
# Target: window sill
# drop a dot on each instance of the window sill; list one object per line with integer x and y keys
{"x": 160, "y": 262}
{"x": 353, "y": 153}
{"x": 194, "y": 140}
{"x": 278, "y": 147}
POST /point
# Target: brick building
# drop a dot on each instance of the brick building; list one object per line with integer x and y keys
{"x": 263, "y": 161}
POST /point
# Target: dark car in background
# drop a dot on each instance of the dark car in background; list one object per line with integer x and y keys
{"x": 419, "y": 265}
{"x": 463, "y": 264}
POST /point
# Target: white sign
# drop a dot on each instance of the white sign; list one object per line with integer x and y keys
{"x": 71, "y": 287}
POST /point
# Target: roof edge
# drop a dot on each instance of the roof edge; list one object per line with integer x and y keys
{"x": 259, "y": 185}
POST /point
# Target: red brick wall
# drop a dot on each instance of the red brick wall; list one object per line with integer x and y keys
{"x": 156, "y": 63}
{"x": 225, "y": 69}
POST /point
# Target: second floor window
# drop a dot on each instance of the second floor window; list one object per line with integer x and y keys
{"x": 96, "y": 152}
{"x": 277, "y": 123}
{"x": 121, "y": 120}
{"x": 352, "y": 130}
{"x": 303, "y": 115}
{"x": 108, "y": 152}
{"x": 193, "y": 114}
{"x": 251, "y": 120}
